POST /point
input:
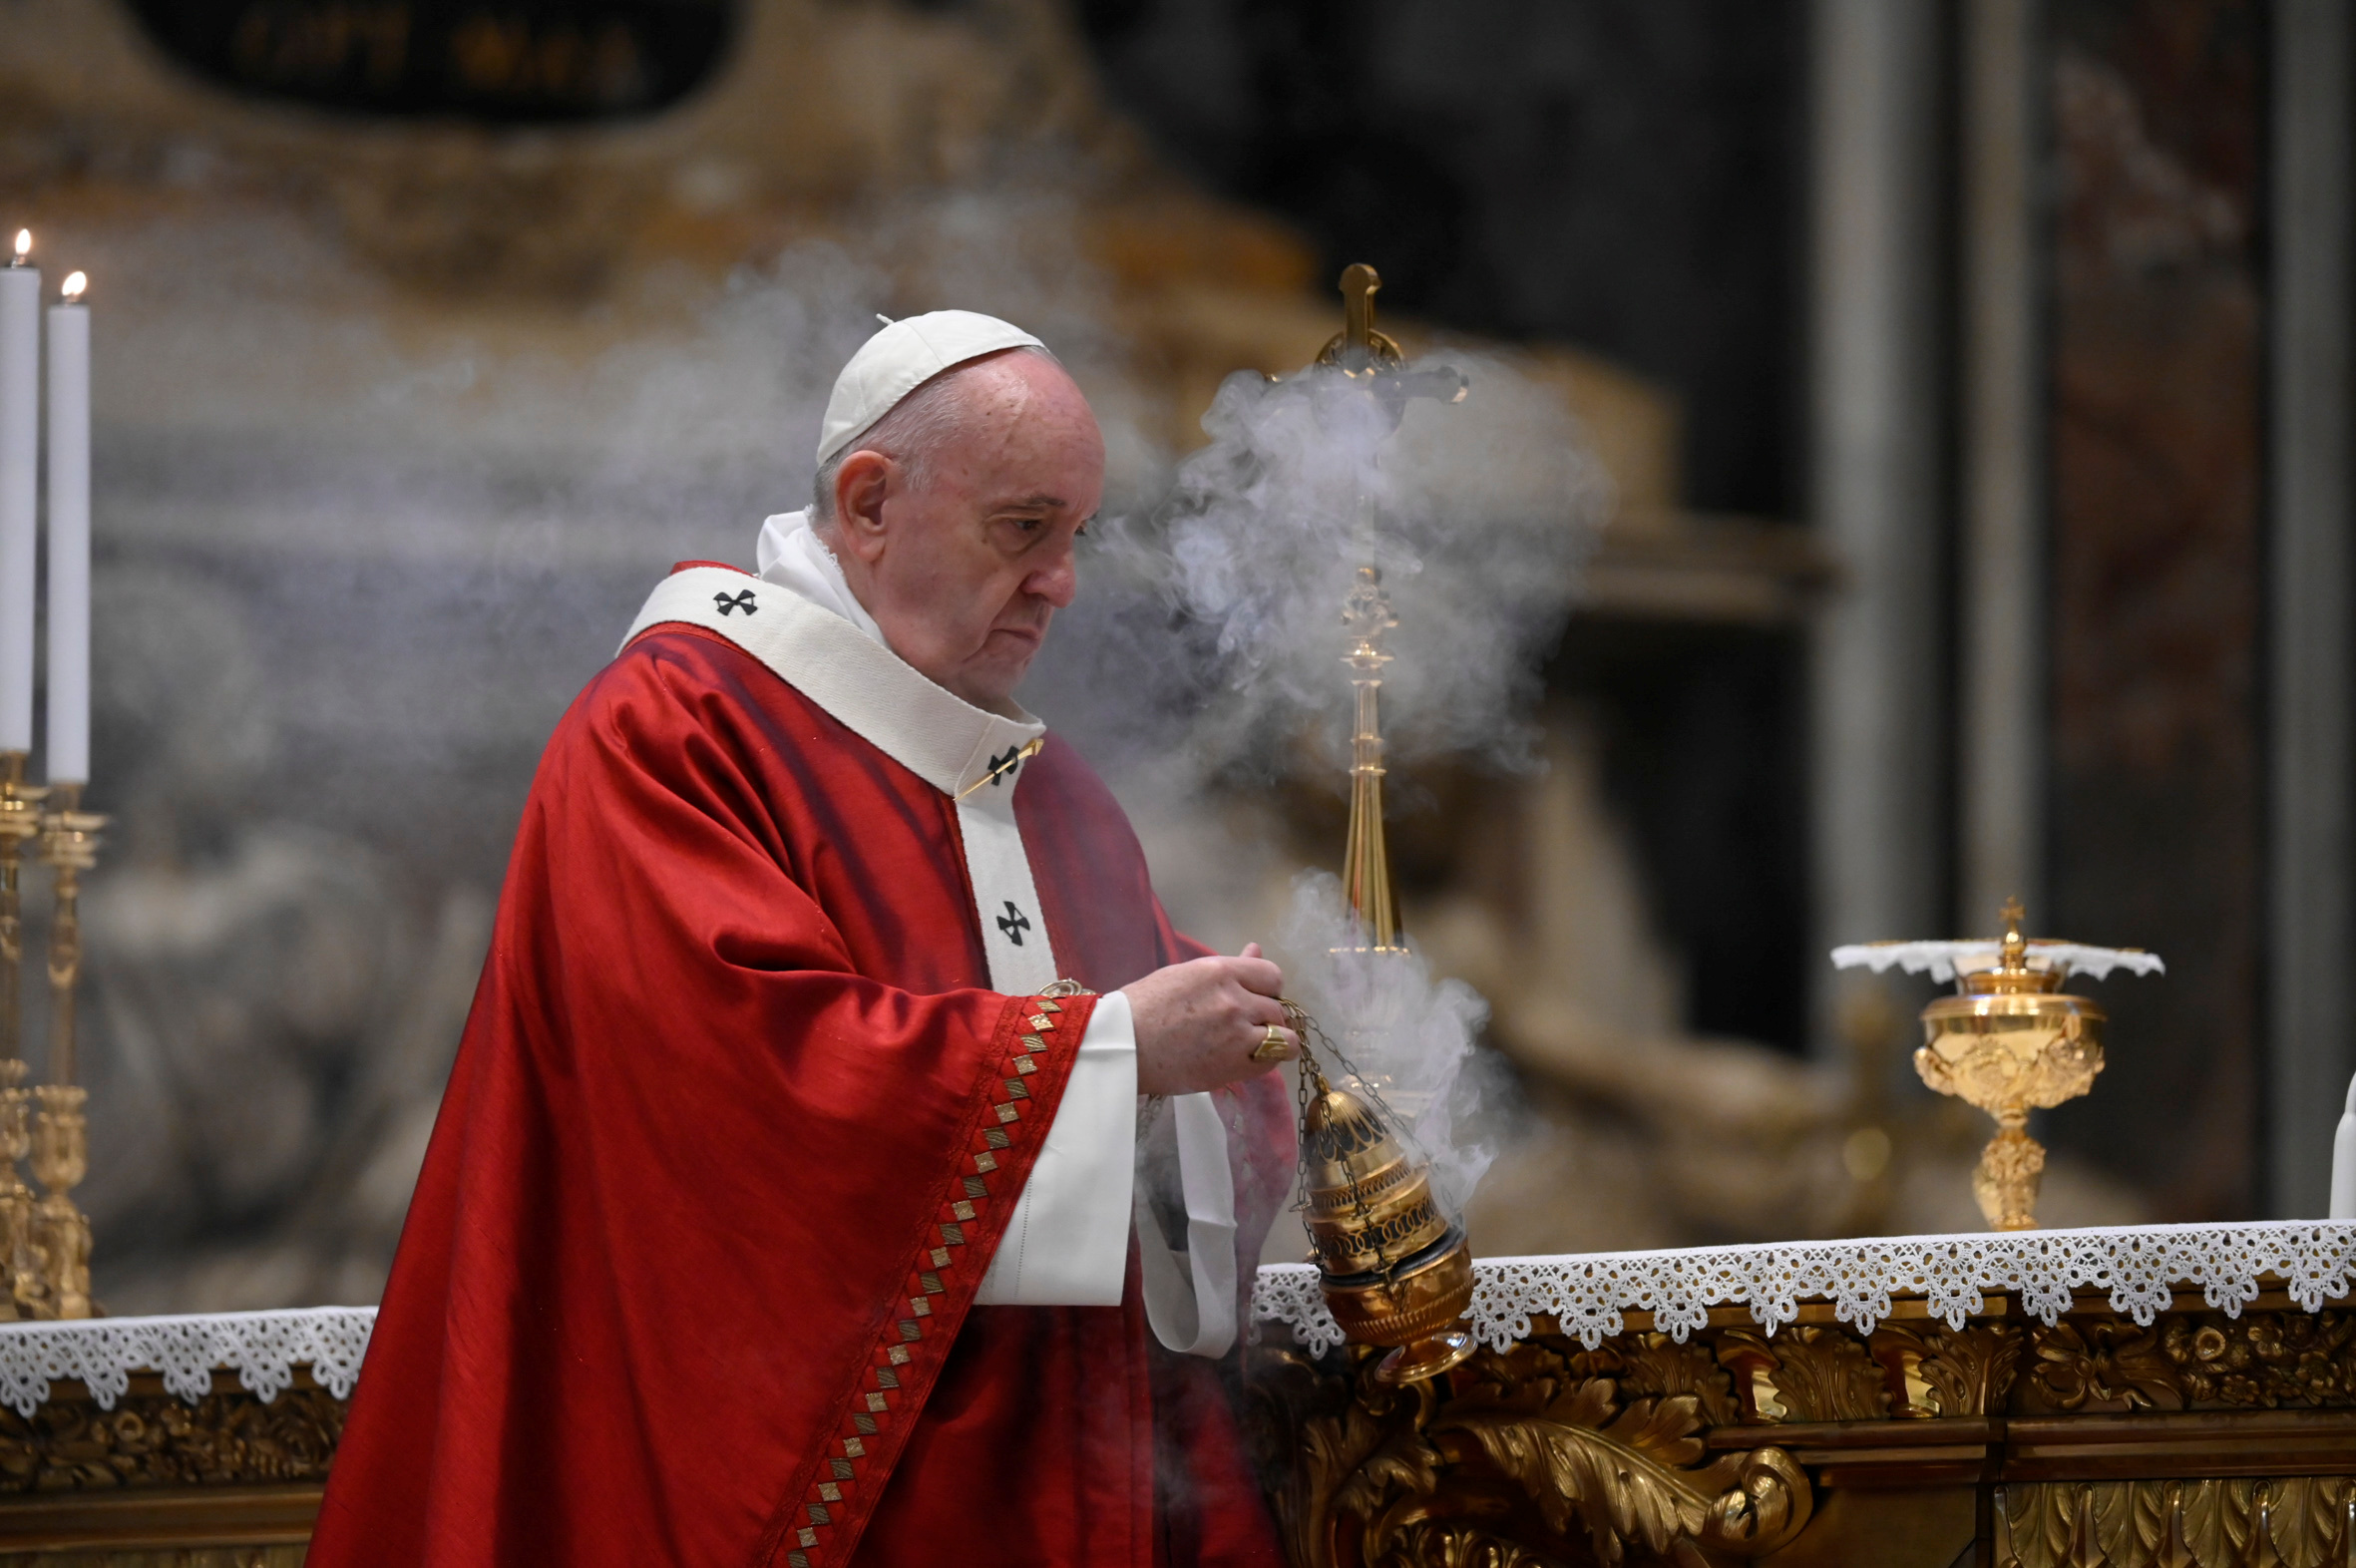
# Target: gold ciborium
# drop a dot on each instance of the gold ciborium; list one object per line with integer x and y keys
{"x": 1393, "y": 1268}
{"x": 2008, "y": 1041}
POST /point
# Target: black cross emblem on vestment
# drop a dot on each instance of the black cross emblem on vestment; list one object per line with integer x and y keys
{"x": 1013, "y": 924}
{"x": 744, "y": 602}
{"x": 1003, "y": 767}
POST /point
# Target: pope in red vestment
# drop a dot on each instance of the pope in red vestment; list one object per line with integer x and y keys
{"x": 786, "y": 1204}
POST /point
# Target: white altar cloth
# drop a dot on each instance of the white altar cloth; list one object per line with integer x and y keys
{"x": 1588, "y": 1295}
{"x": 263, "y": 1348}
{"x": 2141, "y": 1268}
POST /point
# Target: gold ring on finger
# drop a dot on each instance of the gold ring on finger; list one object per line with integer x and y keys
{"x": 1272, "y": 1047}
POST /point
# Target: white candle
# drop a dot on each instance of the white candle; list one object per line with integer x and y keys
{"x": 20, "y": 466}
{"x": 2343, "y": 1162}
{"x": 69, "y": 536}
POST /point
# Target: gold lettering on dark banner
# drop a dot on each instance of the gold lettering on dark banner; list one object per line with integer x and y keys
{"x": 524, "y": 60}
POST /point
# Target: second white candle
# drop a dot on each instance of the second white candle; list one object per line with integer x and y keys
{"x": 20, "y": 470}
{"x": 67, "y": 757}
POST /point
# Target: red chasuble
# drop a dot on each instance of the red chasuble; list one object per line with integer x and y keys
{"x": 733, "y": 1131}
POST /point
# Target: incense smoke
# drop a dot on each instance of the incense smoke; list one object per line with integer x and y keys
{"x": 354, "y": 558}
{"x": 425, "y": 531}
{"x": 1476, "y": 513}
{"x": 1410, "y": 1035}
{"x": 1222, "y": 621}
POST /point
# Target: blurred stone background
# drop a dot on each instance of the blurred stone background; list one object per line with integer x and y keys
{"x": 1926, "y": 346}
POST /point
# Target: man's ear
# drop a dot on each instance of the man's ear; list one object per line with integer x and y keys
{"x": 860, "y": 485}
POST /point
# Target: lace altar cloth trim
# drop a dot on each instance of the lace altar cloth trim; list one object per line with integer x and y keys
{"x": 1588, "y": 1295}
{"x": 264, "y": 1347}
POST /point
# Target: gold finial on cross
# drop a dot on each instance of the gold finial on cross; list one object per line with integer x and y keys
{"x": 1358, "y": 349}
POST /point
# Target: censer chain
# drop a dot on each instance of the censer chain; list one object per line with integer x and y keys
{"x": 1313, "y": 1082}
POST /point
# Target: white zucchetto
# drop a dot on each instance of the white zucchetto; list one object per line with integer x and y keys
{"x": 903, "y": 357}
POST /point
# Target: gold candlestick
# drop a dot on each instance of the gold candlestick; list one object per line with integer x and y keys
{"x": 20, "y": 820}
{"x": 61, "y": 1158}
{"x": 68, "y": 846}
{"x": 20, "y": 1272}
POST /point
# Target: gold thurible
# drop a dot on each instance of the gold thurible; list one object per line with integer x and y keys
{"x": 20, "y": 821}
{"x": 1394, "y": 1269}
{"x": 69, "y": 847}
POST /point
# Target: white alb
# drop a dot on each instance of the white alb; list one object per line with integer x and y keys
{"x": 2140, "y": 1269}
{"x": 790, "y": 553}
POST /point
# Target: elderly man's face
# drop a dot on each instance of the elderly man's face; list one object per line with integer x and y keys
{"x": 964, "y": 572}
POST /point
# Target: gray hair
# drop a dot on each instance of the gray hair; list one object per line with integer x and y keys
{"x": 910, "y": 433}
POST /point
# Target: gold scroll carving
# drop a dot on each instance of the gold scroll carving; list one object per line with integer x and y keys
{"x": 1530, "y": 1456}
{"x": 1812, "y": 1372}
{"x": 1943, "y": 1371}
{"x": 2199, "y": 1440}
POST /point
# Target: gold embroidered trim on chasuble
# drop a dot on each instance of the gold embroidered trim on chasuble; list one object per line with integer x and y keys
{"x": 908, "y": 1352}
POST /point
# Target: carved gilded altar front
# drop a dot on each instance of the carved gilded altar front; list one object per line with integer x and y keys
{"x": 2197, "y": 1440}
{"x": 2193, "y": 1440}
{"x": 230, "y": 1480}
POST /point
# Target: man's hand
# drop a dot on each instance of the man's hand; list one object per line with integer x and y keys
{"x": 1199, "y": 1023}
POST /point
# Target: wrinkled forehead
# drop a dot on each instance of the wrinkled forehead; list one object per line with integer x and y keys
{"x": 1021, "y": 423}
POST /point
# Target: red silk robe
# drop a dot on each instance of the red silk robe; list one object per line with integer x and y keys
{"x": 732, "y": 1131}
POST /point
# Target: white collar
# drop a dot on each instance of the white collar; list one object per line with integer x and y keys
{"x": 933, "y": 733}
{"x": 790, "y": 553}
